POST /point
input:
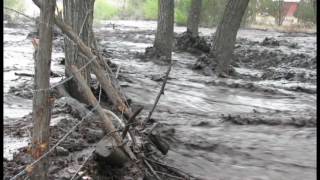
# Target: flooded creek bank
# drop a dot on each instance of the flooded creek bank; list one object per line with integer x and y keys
{"x": 274, "y": 138}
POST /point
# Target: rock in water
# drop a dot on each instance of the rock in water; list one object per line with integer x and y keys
{"x": 60, "y": 151}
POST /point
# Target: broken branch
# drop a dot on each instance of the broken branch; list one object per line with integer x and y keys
{"x": 160, "y": 93}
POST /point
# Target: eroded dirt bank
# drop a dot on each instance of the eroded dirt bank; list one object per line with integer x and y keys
{"x": 260, "y": 124}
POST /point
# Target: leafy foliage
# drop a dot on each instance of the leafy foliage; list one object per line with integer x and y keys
{"x": 103, "y": 10}
{"x": 14, "y": 4}
{"x": 150, "y": 9}
{"x": 181, "y": 11}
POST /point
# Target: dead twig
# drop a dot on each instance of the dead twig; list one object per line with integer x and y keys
{"x": 151, "y": 169}
{"x": 169, "y": 175}
{"x": 130, "y": 121}
{"x": 174, "y": 169}
{"x": 160, "y": 93}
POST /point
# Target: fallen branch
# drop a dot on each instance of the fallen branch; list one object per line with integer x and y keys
{"x": 174, "y": 169}
{"x": 93, "y": 101}
{"x": 151, "y": 169}
{"x": 52, "y": 74}
{"x": 24, "y": 74}
{"x": 130, "y": 121}
{"x": 169, "y": 175}
{"x": 160, "y": 93}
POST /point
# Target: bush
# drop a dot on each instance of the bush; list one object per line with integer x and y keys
{"x": 150, "y": 9}
{"x": 104, "y": 11}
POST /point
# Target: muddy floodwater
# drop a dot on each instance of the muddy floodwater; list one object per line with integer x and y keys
{"x": 224, "y": 128}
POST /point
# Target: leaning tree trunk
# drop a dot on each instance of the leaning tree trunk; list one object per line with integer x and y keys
{"x": 226, "y": 33}
{"x": 315, "y": 9}
{"x": 164, "y": 35}
{"x": 79, "y": 15}
{"x": 41, "y": 109}
{"x": 194, "y": 17}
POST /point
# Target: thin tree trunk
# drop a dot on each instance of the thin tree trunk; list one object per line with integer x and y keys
{"x": 105, "y": 81}
{"x": 226, "y": 33}
{"x": 164, "y": 36}
{"x": 79, "y": 15}
{"x": 41, "y": 110}
{"x": 254, "y": 11}
{"x": 194, "y": 17}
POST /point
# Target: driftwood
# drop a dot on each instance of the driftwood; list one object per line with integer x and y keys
{"x": 52, "y": 74}
{"x": 160, "y": 144}
{"x": 155, "y": 137}
{"x": 93, "y": 101}
{"x": 24, "y": 74}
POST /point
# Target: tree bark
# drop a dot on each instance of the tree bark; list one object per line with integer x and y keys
{"x": 194, "y": 17}
{"x": 42, "y": 103}
{"x": 164, "y": 36}
{"x": 79, "y": 15}
{"x": 226, "y": 33}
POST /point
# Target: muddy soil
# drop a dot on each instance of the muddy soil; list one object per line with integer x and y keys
{"x": 259, "y": 124}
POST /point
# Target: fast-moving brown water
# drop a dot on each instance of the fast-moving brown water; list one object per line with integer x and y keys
{"x": 205, "y": 144}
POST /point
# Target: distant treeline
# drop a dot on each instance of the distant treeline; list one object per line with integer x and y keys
{"x": 212, "y": 10}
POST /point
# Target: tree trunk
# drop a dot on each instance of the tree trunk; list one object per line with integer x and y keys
{"x": 280, "y": 15}
{"x": 164, "y": 37}
{"x": 194, "y": 17}
{"x": 79, "y": 15}
{"x": 244, "y": 20}
{"x": 41, "y": 110}
{"x": 226, "y": 33}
